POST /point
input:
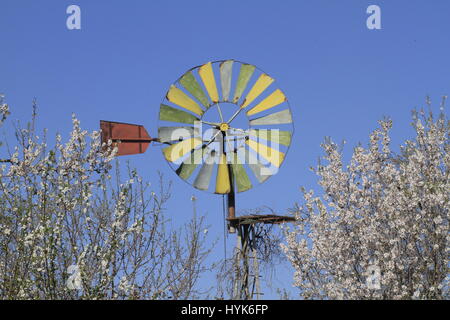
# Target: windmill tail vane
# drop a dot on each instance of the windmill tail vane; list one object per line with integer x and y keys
{"x": 129, "y": 138}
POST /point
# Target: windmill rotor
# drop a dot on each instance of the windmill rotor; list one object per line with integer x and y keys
{"x": 225, "y": 154}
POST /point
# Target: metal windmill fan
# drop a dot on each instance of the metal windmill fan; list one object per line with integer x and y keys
{"x": 224, "y": 127}
{"x": 220, "y": 153}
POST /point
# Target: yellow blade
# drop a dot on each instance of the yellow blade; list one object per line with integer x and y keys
{"x": 207, "y": 75}
{"x": 178, "y": 150}
{"x": 261, "y": 84}
{"x": 223, "y": 176}
{"x": 275, "y": 157}
{"x": 181, "y": 99}
{"x": 271, "y": 101}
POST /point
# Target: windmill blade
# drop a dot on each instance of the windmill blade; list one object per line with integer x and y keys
{"x": 245, "y": 74}
{"x": 258, "y": 169}
{"x": 189, "y": 165}
{"x": 223, "y": 185}
{"x": 167, "y": 134}
{"x": 226, "y": 69}
{"x": 239, "y": 174}
{"x": 281, "y": 117}
{"x": 207, "y": 75}
{"x": 274, "y": 135}
{"x": 181, "y": 99}
{"x": 274, "y": 99}
{"x": 167, "y": 113}
{"x": 204, "y": 176}
{"x": 274, "y": 156}
{"x": 178, "y": 150}
{"x": 261, "y": 84}
{"x": 189, "y": 82}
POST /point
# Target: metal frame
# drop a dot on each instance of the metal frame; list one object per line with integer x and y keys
{"x": 244, "y": 288}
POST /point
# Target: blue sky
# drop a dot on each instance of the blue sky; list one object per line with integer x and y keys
{"x": 339, "y": 76}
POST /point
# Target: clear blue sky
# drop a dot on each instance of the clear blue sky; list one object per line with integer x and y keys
{"x": 339, "y": 76}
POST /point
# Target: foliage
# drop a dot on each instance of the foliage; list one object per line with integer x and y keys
{"x": 72, "y": 228}
{"x": 380, "y": 229}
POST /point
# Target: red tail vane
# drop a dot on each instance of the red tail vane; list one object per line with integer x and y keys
{"x": 129, "y": 138}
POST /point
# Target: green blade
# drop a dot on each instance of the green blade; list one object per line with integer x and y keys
{"x": 189, "y": 82}
{"x": 167, "y": 113}
{"x": 281, "y": 117}
{"x": 240, "y": 177}
{"x": 274, "y": 135}
{"x": 244, "y": 76}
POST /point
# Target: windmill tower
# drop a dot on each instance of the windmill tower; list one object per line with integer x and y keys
{"x": 223, "y": 139}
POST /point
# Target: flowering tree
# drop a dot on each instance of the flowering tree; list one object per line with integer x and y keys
{"x": 380, "y": 229}
{"x": 72, "y": 228}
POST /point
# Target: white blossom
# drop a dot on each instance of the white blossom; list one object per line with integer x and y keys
{"x": 383, "y": 206}
{"x": 64, "y": 205}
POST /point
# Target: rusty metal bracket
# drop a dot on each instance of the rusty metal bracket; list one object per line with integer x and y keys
{"x": 129, "y": 138}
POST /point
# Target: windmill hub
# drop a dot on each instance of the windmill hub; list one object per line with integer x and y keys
{"x": 224, "y": 127}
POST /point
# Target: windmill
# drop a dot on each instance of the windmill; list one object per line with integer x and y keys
{"x": 224, "y": 127}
